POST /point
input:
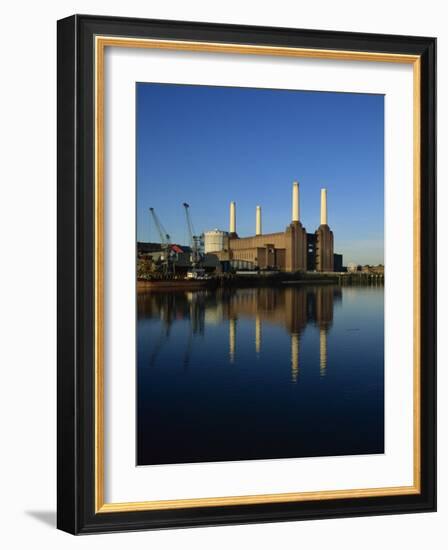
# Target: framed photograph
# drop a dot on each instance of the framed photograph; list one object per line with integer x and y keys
{"x": 246, "y": 274}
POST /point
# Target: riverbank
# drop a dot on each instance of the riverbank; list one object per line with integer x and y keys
{"x": 245, "y": 279}
{"x": 303, "y": 278}
{"x": 176, "y": 284}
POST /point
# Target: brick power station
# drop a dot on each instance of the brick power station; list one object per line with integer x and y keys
{"x": 291, "y": 250}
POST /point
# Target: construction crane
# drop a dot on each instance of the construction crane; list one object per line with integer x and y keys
{"x": 195, "y": 240}
{"x": 165, "y": 239}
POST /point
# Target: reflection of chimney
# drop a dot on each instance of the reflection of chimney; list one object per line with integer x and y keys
{"x": 323, "y": 207}
{"x": 232, "y": 227}
{"x": 232, "y": 339}
{"x": 295, "y": 341}
{"x": 257, "y": 334}
{"x": 295, "y": 202}
{"x": 323, "y": 351}
{"x": 258, "y": 221}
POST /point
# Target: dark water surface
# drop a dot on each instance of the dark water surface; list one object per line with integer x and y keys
{"x": 256, "y": 373}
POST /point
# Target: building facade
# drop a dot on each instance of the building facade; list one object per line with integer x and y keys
{"x": 290, "y": 250}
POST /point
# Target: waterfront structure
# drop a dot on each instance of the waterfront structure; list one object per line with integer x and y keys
{"x": 338, "y": 263}
{"x": 311, "y": 241}
{"x": 285, "y": 250}
{"x": 324, "y": 238}
{"x": 258, "y": 221}
{"x": 232, "y": 224}
{"x": 215, "y": 240}
{"x": 289, "y": 250}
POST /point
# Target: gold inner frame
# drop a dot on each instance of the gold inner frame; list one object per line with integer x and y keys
{"x": 101, "y": 42}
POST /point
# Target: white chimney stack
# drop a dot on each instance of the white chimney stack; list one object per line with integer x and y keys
{"x": 258, "y": 221}
{"x": 232, "y": 227}
{"x": 323, "y": 207}
{"x": 295, "y": 202}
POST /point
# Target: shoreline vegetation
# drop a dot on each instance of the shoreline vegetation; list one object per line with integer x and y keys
{"x": 166, "y": 282}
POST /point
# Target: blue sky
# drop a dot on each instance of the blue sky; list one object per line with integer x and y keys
{"x": 210, "y": 145}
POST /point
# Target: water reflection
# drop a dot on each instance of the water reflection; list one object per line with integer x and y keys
{"x": 295, "y": 349}
{"x": 249, "y": 373}
{"x": 257, "y": 334}
{"x": 291, "y": 308}
{"x": 232, "y": 339}
{"x": 323, "y": 351}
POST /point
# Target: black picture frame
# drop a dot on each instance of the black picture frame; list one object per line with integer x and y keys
{"x": 76, "y": 255}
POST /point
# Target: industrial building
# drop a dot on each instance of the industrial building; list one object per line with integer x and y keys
{"x": 290, "y": 250}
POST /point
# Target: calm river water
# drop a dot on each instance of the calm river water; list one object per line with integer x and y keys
{"x": 256, "y": 373}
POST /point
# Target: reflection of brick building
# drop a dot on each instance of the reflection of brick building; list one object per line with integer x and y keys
{"x": 292, "y": 308}
{"x": 288, "y": 250}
